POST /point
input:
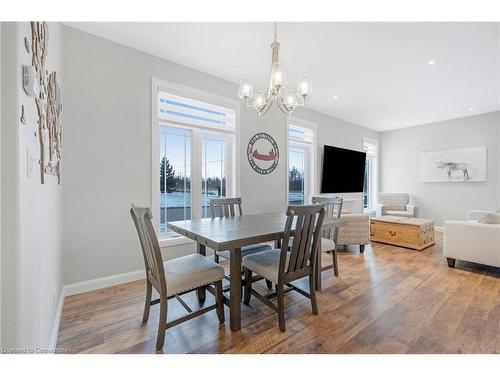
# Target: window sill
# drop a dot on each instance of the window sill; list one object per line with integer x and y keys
{"x": 174, "y": 241}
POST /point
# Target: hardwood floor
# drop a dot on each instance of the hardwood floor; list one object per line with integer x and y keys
{"x": 387, "y": 300}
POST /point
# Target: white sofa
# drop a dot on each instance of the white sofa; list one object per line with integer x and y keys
{"x": 472, "y": 241}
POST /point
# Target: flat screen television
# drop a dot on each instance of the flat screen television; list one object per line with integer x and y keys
{"x": 343, "y": 170}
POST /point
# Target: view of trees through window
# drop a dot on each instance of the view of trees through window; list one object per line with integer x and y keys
{"x": 175, "y": 173}
{"x": 213, "y": 184}
{"x": 296, "y": 175}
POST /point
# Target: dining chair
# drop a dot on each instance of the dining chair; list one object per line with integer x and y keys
{"x": 173, "y": 278}
{"x": 282, "y": 266}
{"x": 333, "y": 209}
{"x": 231, "y": 207}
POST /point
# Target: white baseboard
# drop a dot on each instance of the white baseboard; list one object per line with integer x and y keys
{"x": 57, "y": 322}
{"x": 103, "y": 282}
{"x": 87, "y": 286}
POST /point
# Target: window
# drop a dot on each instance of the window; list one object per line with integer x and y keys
{"x": 213, "y": 184}
{"x": 370, "y": 146}
{"x": 301, "y": 161}
{"x": 193, "y": 149}
{"x": 175, "y": 175}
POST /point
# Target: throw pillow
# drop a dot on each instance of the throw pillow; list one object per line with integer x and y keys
{"x": 491, "y": 218}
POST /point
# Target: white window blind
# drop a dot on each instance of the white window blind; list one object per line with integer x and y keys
{"x": 193, "y": 112}
{"x": 300, "y": 134}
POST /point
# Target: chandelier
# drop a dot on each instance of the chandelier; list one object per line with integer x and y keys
{"x": 285, "y": 98}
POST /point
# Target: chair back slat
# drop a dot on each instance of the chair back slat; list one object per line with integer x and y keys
{"x": 333, "y": 210}
{"x": 304, "y": 223}
{"x": 151, "y": 252}
{"x": 225, "y": 207}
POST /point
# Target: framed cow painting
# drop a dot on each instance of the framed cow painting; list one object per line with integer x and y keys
{"x": 457, "y": 165}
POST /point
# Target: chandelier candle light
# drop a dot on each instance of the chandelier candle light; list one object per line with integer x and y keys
{"x": 285, "y": 99}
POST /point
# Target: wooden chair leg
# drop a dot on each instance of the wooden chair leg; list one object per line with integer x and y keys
{"x": 219, "y": 300}
{"x": 361, "y": 249}
{"x": 162, "y": 324}
{"x": 335, "y": 263}
{"x": 269, "y": 284}
{"x": 248, "y": 286}
{"x": 281, "y": 307}
{"x": 312, "y": 292}
{"x": 147, "y": 304}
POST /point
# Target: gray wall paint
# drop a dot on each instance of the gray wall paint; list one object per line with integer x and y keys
{"x": 31, "y": 212}
{"x": 10, "y": 187}
{"x": 107, "y": 140}
{"x": 400, "y": 157}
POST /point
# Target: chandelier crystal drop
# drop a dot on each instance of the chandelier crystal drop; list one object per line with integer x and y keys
{"x": 285, "y": 98}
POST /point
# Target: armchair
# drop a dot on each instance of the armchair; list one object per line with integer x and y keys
{"x": 356, "y": 232}
{"x": 395, "y": 204}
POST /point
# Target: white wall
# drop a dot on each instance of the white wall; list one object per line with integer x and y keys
{"x": 107, "y": 140}
{"x": 31, "y": 212}
{"x": 400, "y": 157}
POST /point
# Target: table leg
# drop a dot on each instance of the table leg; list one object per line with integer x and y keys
{"x": 235, "y": 290}
{"x": 201, "y": 292}
{"x": 318, "y": 270}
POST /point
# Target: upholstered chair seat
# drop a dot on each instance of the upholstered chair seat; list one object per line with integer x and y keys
{"x": 265, "y": 263}
{"x": 190, "y": 272}
{"x": 399, "y": 213}
{"x": 326, "y": 244}
{"x": 247, "y": 250}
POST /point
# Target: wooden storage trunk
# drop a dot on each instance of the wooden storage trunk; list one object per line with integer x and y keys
{"x": 414, "y": 233}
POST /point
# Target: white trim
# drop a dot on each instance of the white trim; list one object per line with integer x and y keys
{"x": 102, "y": 282}
{"x": 310, "y": 171}
{"x": 374, "y": 184}
{"x": 438, "y": 228}
{"x": 87, "y": 286}
{"x": 233, "y": 134}
{"x": 57, "y": 322}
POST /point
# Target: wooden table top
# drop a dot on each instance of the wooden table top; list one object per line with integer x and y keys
{"x": 234, "y": 232}
{"x": 402, "y": 220}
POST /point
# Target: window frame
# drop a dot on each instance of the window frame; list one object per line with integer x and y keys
{"x": 310, "y": 173}
{"x": 373, "y": 174}
{"x": 197, "y": 131}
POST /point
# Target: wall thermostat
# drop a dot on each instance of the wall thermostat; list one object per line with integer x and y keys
{"x": 30, "y": 81}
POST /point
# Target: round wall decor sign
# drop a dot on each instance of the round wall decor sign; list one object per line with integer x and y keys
{"x": 263, "y": 153}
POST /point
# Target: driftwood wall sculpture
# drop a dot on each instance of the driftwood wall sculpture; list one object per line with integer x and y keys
{"x": 48, "y": 104}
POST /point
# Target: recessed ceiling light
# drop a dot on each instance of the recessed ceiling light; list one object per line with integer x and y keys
{"x": 431, "y": 62}
{"x": 335, "y": 96}
{"x": 471, "y": 109}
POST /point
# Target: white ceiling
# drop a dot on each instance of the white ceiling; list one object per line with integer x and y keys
{"x": 379, "y": 71}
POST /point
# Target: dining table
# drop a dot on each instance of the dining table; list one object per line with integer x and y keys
{"x": 233, "y": 233}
